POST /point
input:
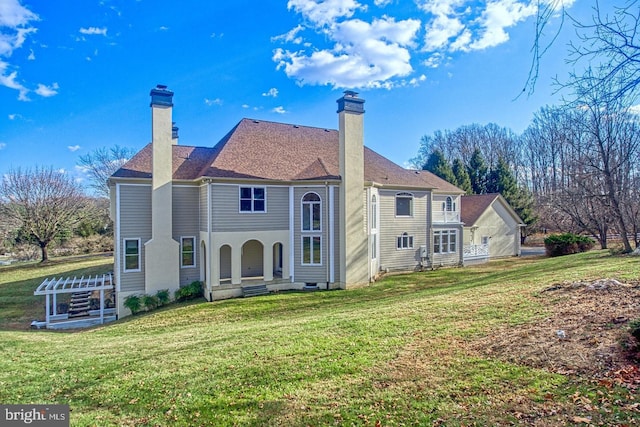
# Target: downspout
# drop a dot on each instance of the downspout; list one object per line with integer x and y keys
{"x": 326, "y": 200}
{"x": 209, "y": 249}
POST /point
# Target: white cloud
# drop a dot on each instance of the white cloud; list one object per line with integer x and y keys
{"x": 497, "y": 16}
{"x": 3, "y": 145}
{"x": 290, "y": 36}
{"x": 279, "y": 110}
{"x": 15, "y": 116}
{"x": 94, "y": 31}
{"x": 272, "y": 92}
{"x": 47, "y": 91}
{"x": 73, "y": 148}
{"x": 9, "y": 80}
{"x": 363, "y": 55}
{"x": 163, "y": 28}
{"x": 32, "y": 56}
{"x": 324, "y": 12}
{"x": 15, "y": 26}
{"x": 382, "y": 3}
{"x": 211, "y": 102}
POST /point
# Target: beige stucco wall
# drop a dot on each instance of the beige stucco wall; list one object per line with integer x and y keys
{"x": 354, "y": 265}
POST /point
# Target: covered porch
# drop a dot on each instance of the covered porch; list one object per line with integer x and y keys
{"x": 77, "y": 302}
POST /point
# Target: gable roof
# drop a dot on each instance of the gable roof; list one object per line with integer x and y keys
{"x": 256, "y": 149}
{"x": 473, "y": 206}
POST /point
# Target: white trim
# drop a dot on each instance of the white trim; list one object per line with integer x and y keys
{"x": 332, "y": 255}
{"x": 124, "y": 255}
{"x": 404, "y": 194}
{"x": 209, "y": 250}
{"x": 449, "y": 232}
{"x": 310, "y": 263}
{"x": 134, "y": 185}
{"x": 302, "y": 204}
{"x": 410, "y": 239}
{"x": 195, "y": 252}
{"x": 292, "y": 255}
{"x": 252, "y": 187}
{"x": 118, "y": 246}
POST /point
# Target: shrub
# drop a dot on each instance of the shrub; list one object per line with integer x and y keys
{"x": 133, "y": 303}
{"x": 567, "y": 243}
{"x": 634, "y": 328}
{"x": 163, "y": 297}
{"x": 191, "y": 291}
{"x": 150, "y": 301}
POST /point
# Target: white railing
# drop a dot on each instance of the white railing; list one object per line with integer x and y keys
{"x": 445, "y": 216}
{"x": 475, "y": 251}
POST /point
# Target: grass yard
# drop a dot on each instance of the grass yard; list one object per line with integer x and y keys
{"x": 399, "y": 352}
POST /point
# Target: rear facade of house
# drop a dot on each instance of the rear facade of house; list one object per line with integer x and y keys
{"x": 287, "y": 206}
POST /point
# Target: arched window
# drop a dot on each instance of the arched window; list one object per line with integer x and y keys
{"x": 311, "y": 212}
{"x": 311, "y": 228}
{"x": 405, "y": 241}
{"x": 449, "y": 204}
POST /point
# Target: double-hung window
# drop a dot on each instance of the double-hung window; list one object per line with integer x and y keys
{"x": 187, "y": 252}
{"x": 131, "y": 254}
{"x": 445, "y": 241}
{"x": 253, "y": 199}
{"x": 311, "y": 229}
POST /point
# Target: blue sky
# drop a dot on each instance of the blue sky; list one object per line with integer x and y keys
{"x": 76, "y": 76}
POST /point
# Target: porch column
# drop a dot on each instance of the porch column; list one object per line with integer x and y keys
{"x": 236, "y": 265}
{"x": 267, "y": 263}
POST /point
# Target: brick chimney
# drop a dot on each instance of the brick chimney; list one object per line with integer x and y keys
{"x": 353, "y": 237}
{"x": 162, "y": 251}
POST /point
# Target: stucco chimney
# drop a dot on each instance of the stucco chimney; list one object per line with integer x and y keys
{"x": 174, "y": 133}
{"x": 161, "y": 252}
{"x": 353, "y": 238}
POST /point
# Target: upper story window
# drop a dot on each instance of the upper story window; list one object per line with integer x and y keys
{"x": 374, "y": 212}
{"x": 449, "y": 205}
{"x": 404, "y": 204}
{"x": 253, "y": 199}
{"x": 311, "y": 212}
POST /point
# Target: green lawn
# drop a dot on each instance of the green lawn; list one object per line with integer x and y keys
{"x": 390, "y": 354}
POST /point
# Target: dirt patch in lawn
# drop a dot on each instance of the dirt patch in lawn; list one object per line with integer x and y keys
{"x": 586, "y": 333}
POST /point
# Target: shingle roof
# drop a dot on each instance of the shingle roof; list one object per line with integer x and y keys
{"x": 256, "y": 149}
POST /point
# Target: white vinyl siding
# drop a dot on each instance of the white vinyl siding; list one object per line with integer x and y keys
{"x": 135, "y": 223}
{"x": 226, "y": 216}
{"x": 186, "y": 223}
{"x": 392, "y": 226}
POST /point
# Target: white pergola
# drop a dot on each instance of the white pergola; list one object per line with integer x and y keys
{"x": 51, "y": 288}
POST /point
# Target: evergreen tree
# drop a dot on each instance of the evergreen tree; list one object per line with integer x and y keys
{"x": 478, "y": 172}
{"x": 501, "y": 180}
{"x": 438, "y": 165}
{"x": 462, "y": 176}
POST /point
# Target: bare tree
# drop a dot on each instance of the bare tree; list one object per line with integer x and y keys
{"x": 613, "y": 43}
{"x": 102, "y": 163}
{"x": 44, "y": 202}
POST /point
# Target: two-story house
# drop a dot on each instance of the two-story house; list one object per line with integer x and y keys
{"x": 279, "y": 204}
